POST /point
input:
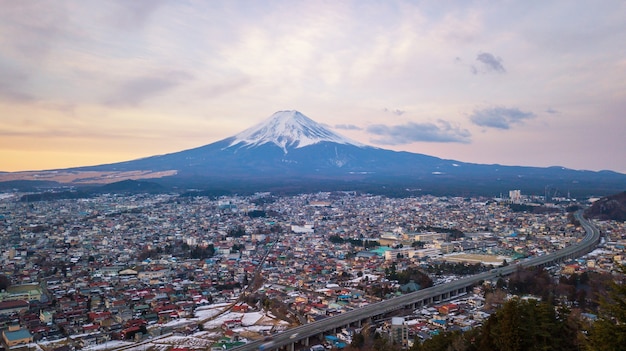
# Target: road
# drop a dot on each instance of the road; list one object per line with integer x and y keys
{"x": 586, "y": 245}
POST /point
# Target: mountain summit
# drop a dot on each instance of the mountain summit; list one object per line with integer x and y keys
{"x": 287, "y": 130}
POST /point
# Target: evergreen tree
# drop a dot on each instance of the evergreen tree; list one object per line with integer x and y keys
{"x": 522, "y": 325}
{"x": 5, "y": 282}
{"x": 358, "y": 341}
{"x": 439, "y": 342}
{"x": 609, "y": 331}
{"x": 450, "y": 341}
{"x": 506, "y": 331}
{"x": 382, "y": 344}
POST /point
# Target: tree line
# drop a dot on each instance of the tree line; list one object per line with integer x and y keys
{"x": 179, "y": 249}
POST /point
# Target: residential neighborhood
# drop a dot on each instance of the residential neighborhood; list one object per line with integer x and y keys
{"x": 195, "y": 272}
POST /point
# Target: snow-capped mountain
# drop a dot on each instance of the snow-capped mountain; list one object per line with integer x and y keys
{"x": 291, "y": 151}
{"x": 288, "y": 129}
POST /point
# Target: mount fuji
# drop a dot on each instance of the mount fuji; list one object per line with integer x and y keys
{"x": 291, "y": 152}
{"x": 286, "y": 145}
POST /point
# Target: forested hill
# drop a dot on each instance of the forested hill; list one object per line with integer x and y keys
{"x": 609, "y": 208}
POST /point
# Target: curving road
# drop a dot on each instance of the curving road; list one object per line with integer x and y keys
{"x": 586, "y": 245}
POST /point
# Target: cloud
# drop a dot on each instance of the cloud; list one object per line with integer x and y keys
{"x": 134, "y": 91}
{"x": 347, "y": 127}
{"x": 127, "y": 15}
{"x": 10, "y": 95}
{"x": 442, "y": 132}
{"x": 11, "y": 85}
{"x": 396, "y": 112}
{"x": 552, "y": 111}
{"x": 500, "y": 117}
{"x": 67, "y": 133}
{"x": 220, "y": 89}
{"x": 31, "y": 30}
{"x": 487, "y": 63}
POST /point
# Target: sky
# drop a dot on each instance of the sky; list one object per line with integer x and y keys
{"x": 532, "y": 83}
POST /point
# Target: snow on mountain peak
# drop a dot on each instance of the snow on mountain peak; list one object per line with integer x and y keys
{"x": 288, "y": 129}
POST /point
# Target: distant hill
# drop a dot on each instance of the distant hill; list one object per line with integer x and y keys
{"x": 132, "y": 187}
{"x": 27, "y": 185}
{"x": 609, "y": 208}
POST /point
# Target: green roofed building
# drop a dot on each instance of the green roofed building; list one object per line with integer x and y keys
{"x": 380, "y": 251}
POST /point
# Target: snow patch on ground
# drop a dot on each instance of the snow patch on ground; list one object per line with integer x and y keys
{"x": 251, "y": 318}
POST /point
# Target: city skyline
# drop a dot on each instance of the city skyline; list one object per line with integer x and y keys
{"x": 515, "y": 83}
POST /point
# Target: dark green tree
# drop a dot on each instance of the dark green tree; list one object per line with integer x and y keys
{"x": 609, "y": 331}
{"x": 382, "y": 344}
{"x": 450, "y": 341}
{"x": 418, "y": 244}
{"x": 522, "y": 325}
{"x": 358, "y": 341}
{"x": 439, "y": 342}
{"x": 5, "y": 282}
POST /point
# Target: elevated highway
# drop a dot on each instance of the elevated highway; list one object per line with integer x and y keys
{"x": 286, "y": 340}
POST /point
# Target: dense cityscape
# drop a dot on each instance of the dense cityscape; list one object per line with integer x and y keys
{"x": 169, "y": 271}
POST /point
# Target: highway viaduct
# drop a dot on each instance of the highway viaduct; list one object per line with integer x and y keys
{"x": 358, "y": 317}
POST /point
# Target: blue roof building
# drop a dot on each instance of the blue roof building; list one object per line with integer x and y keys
{"x": 14, "y": 336}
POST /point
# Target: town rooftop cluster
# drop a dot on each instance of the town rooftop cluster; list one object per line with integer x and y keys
{"x": 131, "y": 267}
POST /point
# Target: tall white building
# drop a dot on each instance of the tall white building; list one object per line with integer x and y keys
{"x": 515, "y": 196}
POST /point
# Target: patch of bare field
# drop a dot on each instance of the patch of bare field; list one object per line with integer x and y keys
{"x": 476, "y": 258}
{"x": 84, "y": 177}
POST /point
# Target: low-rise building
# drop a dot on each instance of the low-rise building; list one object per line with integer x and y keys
{"x": 13, "y": 306}
{"x": 16, "y": 336}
